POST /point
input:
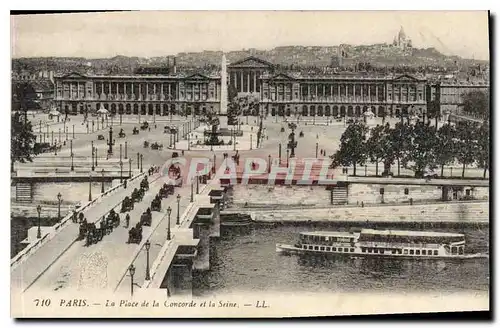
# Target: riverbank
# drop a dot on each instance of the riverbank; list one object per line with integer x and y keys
{"x": 457, "y": 212}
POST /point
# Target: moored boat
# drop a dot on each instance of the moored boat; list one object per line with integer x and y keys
{"x": 382, "y": 243}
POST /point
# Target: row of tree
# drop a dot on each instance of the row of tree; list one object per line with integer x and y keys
{"x": 419, "y": 147}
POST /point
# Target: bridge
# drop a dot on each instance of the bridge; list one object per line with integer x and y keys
{"x": 178, "y": 242}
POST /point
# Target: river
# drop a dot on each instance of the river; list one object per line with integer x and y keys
{"x": 248, "y": 262}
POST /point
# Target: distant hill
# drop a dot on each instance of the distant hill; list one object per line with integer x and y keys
{"x": 376, "y": 55}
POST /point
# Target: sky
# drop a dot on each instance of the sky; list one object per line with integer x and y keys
{"x": 161, "y": 33}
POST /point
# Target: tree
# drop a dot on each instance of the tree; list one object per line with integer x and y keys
{"x": 24, "y": 97}
{"x": 399, "y": 141}
{"x": 231, "y": 93}
{"x": 352, "y": 146}
{"x": 477, "y": 103}
{"x": 434, "y": 111}
{"x": 421, "y": 152}
{"x": 483, "y": 153}
{"x": 375, "y": 145}
{"x": 22, "y": 141}
{"x": 445, "y": 146}
{"x": 467, "y": 147}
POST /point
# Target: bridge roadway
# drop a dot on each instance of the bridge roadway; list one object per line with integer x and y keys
{"x": 103, "y": 265}
{"x": 50, "y": 263}
{"x": 180, "y": 235}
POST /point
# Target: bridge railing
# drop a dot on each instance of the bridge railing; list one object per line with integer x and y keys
{"x": 188, "y": 213}
{"x": 31, "y": 248}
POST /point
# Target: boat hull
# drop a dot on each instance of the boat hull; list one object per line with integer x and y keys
{"x": 292, "y": 250}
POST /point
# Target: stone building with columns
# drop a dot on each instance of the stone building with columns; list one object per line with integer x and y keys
{"x": 341, "y": 95}
{"x": 279, "y": 93}
{"x": 145, "y": 94}
{"x": 245, "y": 75}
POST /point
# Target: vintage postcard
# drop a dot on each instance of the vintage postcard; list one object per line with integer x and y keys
{"x": 249, "y": 164}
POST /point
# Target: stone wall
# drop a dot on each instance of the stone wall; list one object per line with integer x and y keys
{"x": 370, "y": 193}
{"x": 444, "y": 212}
{"x": 357, "y": 193}
{"x": 283, "y": 195}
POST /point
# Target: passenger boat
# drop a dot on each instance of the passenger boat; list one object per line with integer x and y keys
{"x": 382, "y": 243}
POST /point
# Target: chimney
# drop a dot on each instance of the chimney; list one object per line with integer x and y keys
{"x": 175, "y": 65}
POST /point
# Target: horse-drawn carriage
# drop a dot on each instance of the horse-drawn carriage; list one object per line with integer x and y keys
{"x": 135, "y": 131}
{"x": 145, "y": 184}
{"x": 135, "y": 234}
{"x": 156, "y": 146}
{"x": 156, "y": 204}
{"x": 121, "y": 134}
{"x": 127, "y": 205}
{"x": 89, "y": 232}
{"x": 301, "y": 134}
{"x": 100, "y": 137}
{"x": 166, "y": 190}
{"x": 146, "y": 144}
{"x": 137, "y": 195}
{"x": 113, "y": 220}
{"x": 146, "y": 218}
{"x": 145, "y": 125}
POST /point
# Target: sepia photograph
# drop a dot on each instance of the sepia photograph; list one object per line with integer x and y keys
{"x": 249, "y": 164}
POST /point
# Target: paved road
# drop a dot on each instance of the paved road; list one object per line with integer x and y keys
{"x": 25, "y": 273}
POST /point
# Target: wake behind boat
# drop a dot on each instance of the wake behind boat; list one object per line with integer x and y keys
{"x": 382, "y": 243}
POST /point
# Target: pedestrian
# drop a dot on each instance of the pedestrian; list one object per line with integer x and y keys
{"x": 127, "y": 220}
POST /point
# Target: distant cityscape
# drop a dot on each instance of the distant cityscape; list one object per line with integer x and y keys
{"x": 389, "y": 79}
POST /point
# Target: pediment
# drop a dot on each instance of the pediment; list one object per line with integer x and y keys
{"x": 406, "y": 77}
{"x": 253, "y": 62}
{"x": 74, "y": 75}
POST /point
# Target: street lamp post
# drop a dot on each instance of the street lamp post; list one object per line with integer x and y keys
{"x": 279, "y": 152}
{"x": 141, "y": 162}
{"x": 121, "y": 171}
{"x": 178, "y": 209}
{"x": 73, "y": 131}
{"x": 90, "y": 186}
{"x": 250, "y": 140}
{"x": 147, "y": 245}
{"x": 110, "y": 141}
{"x": 126, "y": 150}
{"x": 102, "y": 182}
{"x": 72, "y": 166}
{"x": 59, "y": 200}
{"x": 131, "y": 270}
{"x": 169, "y": 211}
{"x": 52, "y": 137}
{"x": 287, "y": 158}
{"x": 269, "y": 166}
{"x": 96, "y": 156}
{"x": 39, "y": 232}
{"x": 197, "y": 183}
{"x": 214, "y": 168}
{"x": 316, "y": 150}
{"x": 192, "y": 185}
{"x": 92, "y": 158}
{"x": 130, "y": 168}
{"x": 138, "y": 161}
